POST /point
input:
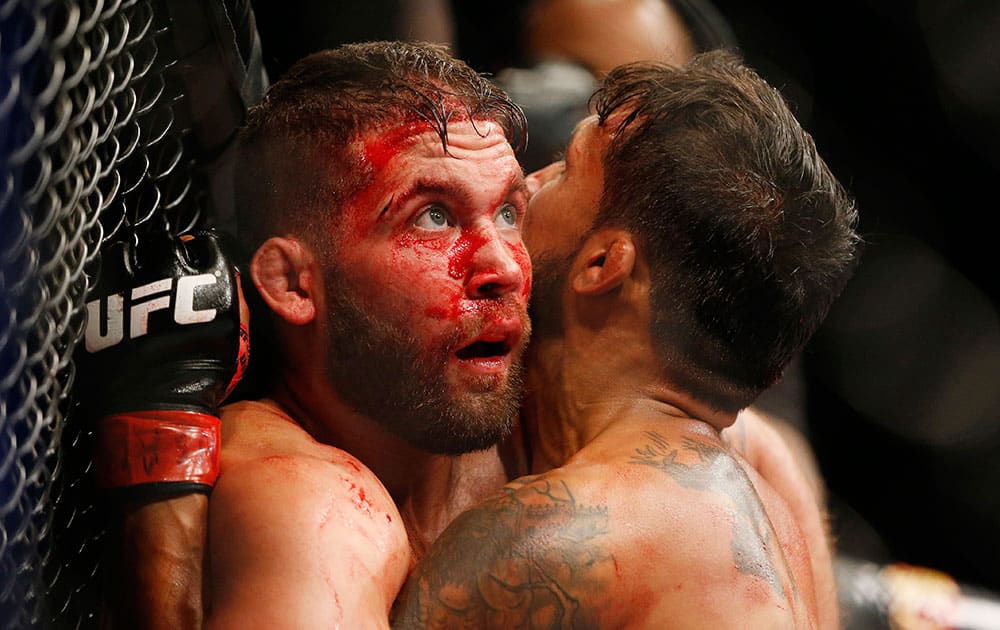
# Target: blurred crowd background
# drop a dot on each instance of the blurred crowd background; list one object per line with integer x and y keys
{"x": 898, "y": 395}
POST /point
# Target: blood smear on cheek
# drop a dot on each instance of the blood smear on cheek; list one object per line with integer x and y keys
{"x": 448, "y": 306}
{"x": 419, "y": 259}
{"x": 427, "y": 250}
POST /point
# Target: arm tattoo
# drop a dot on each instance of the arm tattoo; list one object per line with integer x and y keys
{"x": 525, "y": 558}
{"x": 754, "y": 543}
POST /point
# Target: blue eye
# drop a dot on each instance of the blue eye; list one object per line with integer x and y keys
{"x": 506, "y": 217}
{"x": 433, "y": 218}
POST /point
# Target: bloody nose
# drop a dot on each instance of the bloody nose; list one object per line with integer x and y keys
{"x": 495, "y": 271}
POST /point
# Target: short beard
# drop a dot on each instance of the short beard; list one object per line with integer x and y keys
{"x": 379, "y": 370}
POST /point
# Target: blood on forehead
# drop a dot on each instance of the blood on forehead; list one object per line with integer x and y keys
{"x": 381, "y": 146}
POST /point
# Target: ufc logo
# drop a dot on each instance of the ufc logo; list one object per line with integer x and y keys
{"x": 106, "y": 316}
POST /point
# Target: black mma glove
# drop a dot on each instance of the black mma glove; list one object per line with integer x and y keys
{"x": 165, "y": 344}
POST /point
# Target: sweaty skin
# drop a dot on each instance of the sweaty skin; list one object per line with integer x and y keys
{"x": 655, "y": 524}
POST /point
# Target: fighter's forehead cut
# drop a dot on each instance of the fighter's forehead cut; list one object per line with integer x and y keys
{"x": 389, "y": 150}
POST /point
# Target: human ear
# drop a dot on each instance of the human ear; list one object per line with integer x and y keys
{"x": 609, "y": 261}
{"x": 283, "y": 273}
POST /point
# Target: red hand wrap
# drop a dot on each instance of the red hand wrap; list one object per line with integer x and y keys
{"x": 157, "y": 446}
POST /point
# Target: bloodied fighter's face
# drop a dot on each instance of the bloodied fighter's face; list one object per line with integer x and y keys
{"x": 429, "y": 287}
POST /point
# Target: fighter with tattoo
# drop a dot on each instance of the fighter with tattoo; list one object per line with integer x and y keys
{"x": 383, "y": 204}
{"x": 691, "y": 241}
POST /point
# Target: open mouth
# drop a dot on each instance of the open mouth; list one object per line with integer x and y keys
{"x": 490, "y": 350}
{"x": 484, "y": 350}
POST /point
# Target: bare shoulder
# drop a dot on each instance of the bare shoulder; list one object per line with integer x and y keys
{"x": 300, "y": 530}
{"x": 785, "y": 474}
{"x": 273, "y": 465}
{"x": 524, "y": 558}
{"x": 741, "y": 541}
{"x": 661, "y": 530}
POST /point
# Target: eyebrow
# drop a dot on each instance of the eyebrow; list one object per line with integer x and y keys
{"x": 431, "y": 187}
{"x": 518, "y": 184}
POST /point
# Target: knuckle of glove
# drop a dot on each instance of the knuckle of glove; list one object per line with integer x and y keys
{"x": 163, "y": 325}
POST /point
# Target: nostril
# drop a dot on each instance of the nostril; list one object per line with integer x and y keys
{"x": 488, "y": 288}
{"x": 494, "y": 270}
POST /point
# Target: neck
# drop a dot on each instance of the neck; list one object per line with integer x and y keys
{"x": 429, "y": 489}
{"x": 576, "y": 392}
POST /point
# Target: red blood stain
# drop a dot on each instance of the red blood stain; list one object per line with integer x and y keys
{"x": 449, "y": 310}
{"x": 424, "y": 256}
{"x": 361, "y": 501}
{"x": 408, "y": 242}
{"x": 381, "y": 148}
{"x": 461, "y": 254}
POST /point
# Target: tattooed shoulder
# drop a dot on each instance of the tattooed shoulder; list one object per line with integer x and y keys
{"x": 526, "y": 558}
{"x": 700, "y": 464}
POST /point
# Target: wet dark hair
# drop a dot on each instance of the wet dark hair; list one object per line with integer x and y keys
{"x": 748, "y": 234}
{"x": 294, "y": 162}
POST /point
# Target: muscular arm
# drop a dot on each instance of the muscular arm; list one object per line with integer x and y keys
{"x": 157, "y": 568}
{"x": 299, "y": 542}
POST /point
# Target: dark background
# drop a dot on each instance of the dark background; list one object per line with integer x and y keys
{"x": 903, "y": 405}
{"x": 903, "y": 398}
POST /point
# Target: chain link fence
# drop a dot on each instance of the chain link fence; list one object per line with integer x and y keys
{"x": 98, "y": 142}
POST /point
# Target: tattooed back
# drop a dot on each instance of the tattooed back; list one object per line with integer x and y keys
{"x": 652, "y": 525}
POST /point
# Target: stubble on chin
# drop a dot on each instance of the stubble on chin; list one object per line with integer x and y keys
{"x": 381, "y": 371}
